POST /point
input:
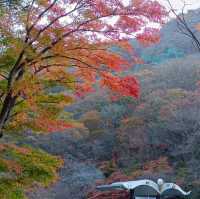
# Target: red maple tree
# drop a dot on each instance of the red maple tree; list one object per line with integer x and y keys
{"x": 67, "y": 43}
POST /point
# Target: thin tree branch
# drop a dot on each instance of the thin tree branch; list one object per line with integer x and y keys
{"x": 53, "y": 21}
{"x": 41, "y": 14}
{"x": 2, "y": 75}
{"x": 28, "y": 17}
{"x": 183, "y": 25}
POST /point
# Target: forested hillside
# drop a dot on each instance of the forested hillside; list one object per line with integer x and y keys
{"x": 157, "y": 135}
{"x": 110, "y": 136}
{"x": 154, "y": 136}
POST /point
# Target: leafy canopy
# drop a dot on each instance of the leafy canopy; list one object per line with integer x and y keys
{"x": 22, "y": 167}
{"x": 53, "y": 51}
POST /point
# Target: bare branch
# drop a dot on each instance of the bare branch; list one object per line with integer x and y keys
{"x": 183, "y": 26}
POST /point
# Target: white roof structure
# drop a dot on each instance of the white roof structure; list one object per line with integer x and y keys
{"x": 147, "y": 188}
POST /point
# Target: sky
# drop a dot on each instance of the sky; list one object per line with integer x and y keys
{"x": 178, "y": 4}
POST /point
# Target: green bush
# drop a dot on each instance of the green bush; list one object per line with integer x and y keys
{"x": 23, "y": 167}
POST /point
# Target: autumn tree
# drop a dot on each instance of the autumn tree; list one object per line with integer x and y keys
{"x": 52, "y": 51}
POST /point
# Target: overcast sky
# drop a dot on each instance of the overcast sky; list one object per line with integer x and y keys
{"x": 178, "y": 4}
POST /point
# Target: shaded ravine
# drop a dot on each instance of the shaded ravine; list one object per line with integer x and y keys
{"x": 76, "y": 179}
{"x": 78, "y": 174}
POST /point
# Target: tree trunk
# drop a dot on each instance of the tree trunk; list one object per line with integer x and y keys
{"x": 8, "y": 104}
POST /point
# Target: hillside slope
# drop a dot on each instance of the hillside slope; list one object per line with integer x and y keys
{"x": 155, "y": 136}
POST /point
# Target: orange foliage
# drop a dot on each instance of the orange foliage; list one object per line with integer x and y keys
{"x": 51, "y": 125}
{"x": 18, "y": 149}
{"x": 198, "y": 27}
{"x": 13, "y": 166}
{"x": 161, "y": 164}
{"x": 127, "y": 86}
{"x": 67, "y": 43}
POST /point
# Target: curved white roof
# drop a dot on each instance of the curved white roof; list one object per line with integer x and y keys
{"x": 173, "y": 189}
{"x": 146, "y": 188}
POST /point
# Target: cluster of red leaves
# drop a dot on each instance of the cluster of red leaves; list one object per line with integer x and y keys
{"x": 51, "y": 125}
{"x": 126, "y": 86}
{"x": 83, "y": 89}
{"x": 149, "y": 36}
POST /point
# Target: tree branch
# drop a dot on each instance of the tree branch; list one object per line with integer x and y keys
{"x": 53, "y": 21}
{"x": 183, "y": 25}
{"x": 41, "y": 14}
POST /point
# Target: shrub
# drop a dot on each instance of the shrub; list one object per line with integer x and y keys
{"x": 23, "y": 167}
